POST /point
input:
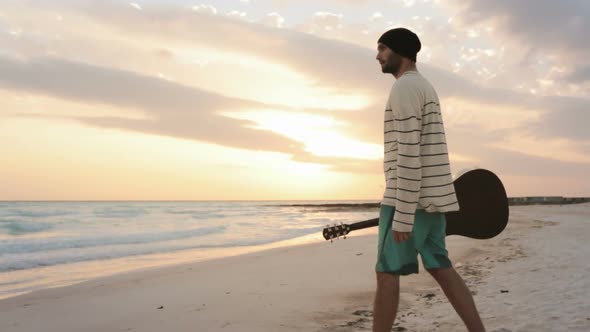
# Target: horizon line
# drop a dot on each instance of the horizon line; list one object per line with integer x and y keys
{"x": 244, "y": 200}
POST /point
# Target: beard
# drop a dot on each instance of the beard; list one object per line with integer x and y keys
{"x": 392, "y": 65}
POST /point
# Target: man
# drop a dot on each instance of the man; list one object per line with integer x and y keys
{"x": 419, "y": 187}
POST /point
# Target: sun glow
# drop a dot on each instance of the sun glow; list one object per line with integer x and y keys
{"x": 83, "y": 163}
{"x": 321, "y": 134}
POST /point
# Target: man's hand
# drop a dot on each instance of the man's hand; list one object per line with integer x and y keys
{"x": 401, "y": 236}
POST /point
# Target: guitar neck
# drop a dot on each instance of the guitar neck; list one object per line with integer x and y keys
{"x": 364, "y": 224}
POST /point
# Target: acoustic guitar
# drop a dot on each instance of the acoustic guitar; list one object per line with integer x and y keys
{"x": 483, "y": 209}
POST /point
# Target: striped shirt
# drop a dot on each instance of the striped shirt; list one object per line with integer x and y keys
{"x": 416, "y": 161}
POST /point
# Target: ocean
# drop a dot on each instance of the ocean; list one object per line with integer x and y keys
{"x": 53, "y": 244}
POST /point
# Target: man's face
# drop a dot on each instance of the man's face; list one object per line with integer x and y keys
{"x": 389, "y": 60}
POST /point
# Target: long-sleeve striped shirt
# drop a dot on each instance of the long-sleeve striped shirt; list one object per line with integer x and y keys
{"x": 416, "y": 161}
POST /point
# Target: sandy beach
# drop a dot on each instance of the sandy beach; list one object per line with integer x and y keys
{"x": 532, "y": 277}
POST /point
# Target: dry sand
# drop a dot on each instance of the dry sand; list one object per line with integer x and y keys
{"x": 532, "y": 277}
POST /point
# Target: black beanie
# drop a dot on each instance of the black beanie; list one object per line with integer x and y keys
{"x": 402, "y": 41}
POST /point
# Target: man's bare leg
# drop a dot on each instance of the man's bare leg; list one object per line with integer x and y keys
{"x": 459, "y": 296}
{"x": 386, "y": 302}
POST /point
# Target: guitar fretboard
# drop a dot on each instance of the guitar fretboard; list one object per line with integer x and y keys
{"x": 364, "y": 224}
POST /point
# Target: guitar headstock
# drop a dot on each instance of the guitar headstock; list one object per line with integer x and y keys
{"x": 336, "y": 231}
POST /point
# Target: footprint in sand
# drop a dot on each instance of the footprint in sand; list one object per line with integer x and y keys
{"x": 364, "y": 313}
{"x": 357, "y": 323}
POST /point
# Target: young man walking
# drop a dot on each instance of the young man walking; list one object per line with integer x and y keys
{"x": 419, "y": 187}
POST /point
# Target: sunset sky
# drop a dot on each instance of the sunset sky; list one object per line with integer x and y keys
{"x": 280, "y": 99}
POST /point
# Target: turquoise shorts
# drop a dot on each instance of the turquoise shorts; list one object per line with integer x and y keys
{"x": 427, "y": 239}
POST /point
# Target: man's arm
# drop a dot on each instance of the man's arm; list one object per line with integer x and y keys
{"x": 408, "y": 129}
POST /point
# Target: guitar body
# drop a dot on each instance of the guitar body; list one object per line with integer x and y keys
{"x": 483, "y": 209}
{"x": 483, "y": 206}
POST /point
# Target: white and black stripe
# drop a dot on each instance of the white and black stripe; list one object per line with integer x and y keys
{"x": 416, "y": 161}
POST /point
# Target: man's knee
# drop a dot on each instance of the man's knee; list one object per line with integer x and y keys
{"x": 387, "y": 280}
{"x": 438, "y": 272}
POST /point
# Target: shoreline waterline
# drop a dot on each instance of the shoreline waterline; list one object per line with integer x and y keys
{"x": 63, "y": 275}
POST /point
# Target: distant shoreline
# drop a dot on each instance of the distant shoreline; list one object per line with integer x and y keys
{"x": 334, "y": 205}
{"x": 513, "y": 201}
{"x": 520, "y": 200}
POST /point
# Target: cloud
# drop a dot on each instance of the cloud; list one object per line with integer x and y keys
{"x": 274, "y": 20}
{"x": 565, "y": 117}
{"x": 580, "y": 75}
{"x": 376, "y": 16}
{"x": 338, "y": 65}
{"x": 326, "y": 21}
{"x": 344, "y": 68}
{"x": 208, "y": 9}
{"x": 237, "y": 13}
{"x": 176, "y": 110}
{"x": 352, "y": 3}
{"x": 135, "y": 5}
{"x": 545, "y": 24}
{"x": 409, "y": 3}
{"x": 557, "y": 30}
{"x": 172, "y": 110}
{"x": 515, "y": 163}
